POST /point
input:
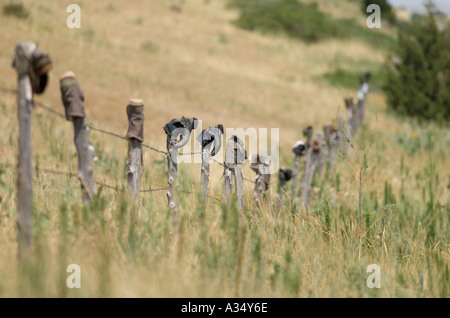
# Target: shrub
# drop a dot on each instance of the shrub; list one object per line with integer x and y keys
{"x": 301, "y": 21}
{"x": 290, "y": 17}
{"x": 16, "y": 9}
{"x": 418, "y": 77}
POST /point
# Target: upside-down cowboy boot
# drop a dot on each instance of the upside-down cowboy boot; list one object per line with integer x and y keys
{"x": 31, "y": 60}
{"x": 285, "y": 174}
{"x": 135, "y": 113}
{"x": 72, "y": 96}
{"x": 318, "y": 142}
{"x": 180, "y": 129}
{"x": 260, "y": 164}
{"x": 308, "y": 133}
{"x": 209, "y": 135}
{"x": 329, "y": 132}
{"x": 299, "y": 148}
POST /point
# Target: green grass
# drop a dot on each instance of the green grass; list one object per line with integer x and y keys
{"x": 303, "y": 22}
{"x": 350, "y": 79}
{"x": 217, "y": 251}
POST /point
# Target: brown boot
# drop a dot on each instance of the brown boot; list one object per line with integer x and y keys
{"x": 135, "y": 112}
{"x": 72, "y": 96}
{"x": 31, "y": 60}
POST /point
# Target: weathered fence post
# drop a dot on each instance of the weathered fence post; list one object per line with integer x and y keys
{"x": 135, "y": 136}
{"x": 349, "y": 123}
{"x": 308, "y": 133}
{"x": 227, "y": 185}
{"x": 332, "y": 141}
{"x": 311, "y": 161}
{"x": 73, "y": 100}
{"x": 235, "y": 155}
{"x": 364, "y": 81}
{"x": 343, "y": 139}
{"x": 298, "y": 149}
{"x": 211, "y": 136}
{"x": 261, "y": 165}
{"x": 178, "y": 132}
{"x": 284, "y": 175}
{"x": 351, "y": 117}
{"x": 32, "y": 66}
{"x": 239, "y": 185}
{"x": 320, "y": 139}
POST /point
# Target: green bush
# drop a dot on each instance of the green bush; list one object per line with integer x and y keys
{"x": 418, "y": 77}
{"x": 290, "y": 17}
{"x": 350, "y": 79}
{"x": 301, "y": 21}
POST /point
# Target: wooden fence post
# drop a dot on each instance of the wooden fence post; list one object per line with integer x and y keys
{"x": 332, "y": 142}
{"x": 261, "y": 166}
{"x": 364, "y": 81}
{"x": 349, "y": 123}
{"x": 311, "y": 161}
{"x": 284, "y": 175}
{"x": 343, "y": 139}
{"x": 298, "y": 149}
{"x": 239, "y": 185}
{"x": 209, "y": 137}
{"x": 135, "y": 136}
{"x": 323, "y": 153}
{"x": 73, "y": 100}
{"x": 308, "y": 134}
{"x": 32, "y": 66}
{"x": 352, "y": 117}
{"x": 178, "y": 132}
{"x": 227, "y": 185}
{"x": 235, "y": 155}
{"x": 172, "y": 178}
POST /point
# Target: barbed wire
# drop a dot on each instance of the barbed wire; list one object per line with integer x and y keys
{"x": 9, "y": 90}
{"x": 59, "y": 114}
{"x": 190, "y": 153}
{"x": 102, "y": 184}
{"x": 49, "y": 109}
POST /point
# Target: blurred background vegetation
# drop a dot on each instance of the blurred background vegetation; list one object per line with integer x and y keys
{"x": 194, "y": 58}
{"x": 415, "y": 78}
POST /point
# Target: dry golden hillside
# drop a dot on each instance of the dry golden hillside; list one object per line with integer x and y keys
{"x": 196, "y": 63}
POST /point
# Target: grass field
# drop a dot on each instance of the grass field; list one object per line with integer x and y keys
{"x": 197, "y": 63}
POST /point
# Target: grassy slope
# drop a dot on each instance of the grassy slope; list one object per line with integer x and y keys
{"x": 195, "y": 63}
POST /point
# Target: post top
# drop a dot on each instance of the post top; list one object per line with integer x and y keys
{"x": 136, "y": 102}
{"x": 67, "y": 75}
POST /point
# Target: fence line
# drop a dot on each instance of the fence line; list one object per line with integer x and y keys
{"x": 355, "y": 117}
{"x": 51, "y": 110}
{"x": 59, "y": 114}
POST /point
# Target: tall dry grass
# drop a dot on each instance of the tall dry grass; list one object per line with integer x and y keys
{"x": 195, "y": 63}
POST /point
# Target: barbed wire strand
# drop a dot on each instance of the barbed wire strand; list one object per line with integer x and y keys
{"x": 102, "y": 184}
{"x": 59, "y": 114}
